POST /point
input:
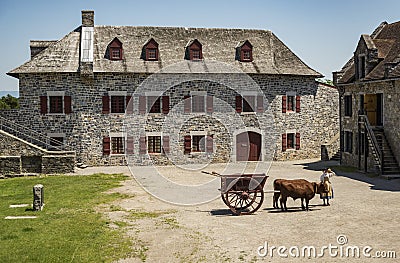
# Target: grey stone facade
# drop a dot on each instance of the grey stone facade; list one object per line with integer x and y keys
{"x": 274, "y": 72}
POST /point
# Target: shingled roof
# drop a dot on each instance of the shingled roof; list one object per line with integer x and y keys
{"x": 386, "y": 40}
{"x": 270, "y": 55}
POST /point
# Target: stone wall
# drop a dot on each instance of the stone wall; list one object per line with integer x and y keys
{"x": 20, "y": 157}
{"x": 86, "y": 126}
{"x": 391, "y": 117}
{"x": 10, "y": 164}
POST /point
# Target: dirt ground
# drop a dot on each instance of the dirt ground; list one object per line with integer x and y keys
{"x": 363, "y": 216}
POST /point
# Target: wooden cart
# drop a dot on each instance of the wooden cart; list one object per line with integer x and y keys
{"x": 244, "y": 193}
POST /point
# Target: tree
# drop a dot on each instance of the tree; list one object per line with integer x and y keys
{"x": 9, "y": 102}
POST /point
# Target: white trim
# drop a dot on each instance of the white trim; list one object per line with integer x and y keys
{"x": 153, "y": 93}
{"x": 198, "y": 133}
{"x": 55, "y": 93}
{"x": 117, "y": 93}
{"x": 249, "y": 93}
{"x": 198, "y": 93}
{"x": 87, "y": 35}
{"x": 116, "y": 134}
{"x": 291, "y": 131}
{"x": 154, "y": 134}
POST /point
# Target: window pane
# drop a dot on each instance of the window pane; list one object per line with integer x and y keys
{"x": 152, "y": 53}
{"x": 198, "y": 104}
{"x": 248, "y": 103}
{"x": 246, "y": 55}
{"x": 198, "y": 143}
{"x": 154, "y": 104}
{"x": 56, "y": 104}
{"x": 195, "y": 54}
{"x": 154, "y": 144}
{"x": 290, "y": 141}
{"x": 290, "y": 103}
{"x": 117, "y": 146}
{"x": 115, "y": 53}
{"x": 117, "y": 104}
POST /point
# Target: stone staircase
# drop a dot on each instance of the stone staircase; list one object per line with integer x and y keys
{"x": 389, "y": 162}
{"x": 24, "y": 151}
{"x": 40, "y": 140}
{"x": 336, "y": 156}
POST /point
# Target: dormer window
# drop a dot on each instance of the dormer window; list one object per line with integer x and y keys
{"x": 115, "y": 49}
{"x": 194, "y": 50}
{"x": 244, "y": 51}
{"x": 150, "y": 50}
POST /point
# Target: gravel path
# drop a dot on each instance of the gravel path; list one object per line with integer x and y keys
{"x": 364, "y": 210}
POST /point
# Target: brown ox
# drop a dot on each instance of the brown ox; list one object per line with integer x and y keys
{"x": 298, "y": 188}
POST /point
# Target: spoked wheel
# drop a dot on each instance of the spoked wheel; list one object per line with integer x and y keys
{"x": 244, "y": 202}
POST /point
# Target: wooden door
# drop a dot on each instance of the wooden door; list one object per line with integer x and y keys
{"x": 248, "y": 146}
{"x": 370, "y": 103}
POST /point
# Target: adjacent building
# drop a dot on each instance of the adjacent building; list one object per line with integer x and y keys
{"x": 369, "y": 85}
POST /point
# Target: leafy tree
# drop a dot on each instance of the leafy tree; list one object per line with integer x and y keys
{"x": 9, "y": 102}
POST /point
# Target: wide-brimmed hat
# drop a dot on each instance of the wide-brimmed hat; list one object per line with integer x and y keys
{"x": 329, "y": 170}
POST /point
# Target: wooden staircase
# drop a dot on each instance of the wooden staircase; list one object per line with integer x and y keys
{"x": 389, "y": 162}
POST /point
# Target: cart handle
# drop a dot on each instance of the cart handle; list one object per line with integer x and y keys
{"x": 212, "y": 173}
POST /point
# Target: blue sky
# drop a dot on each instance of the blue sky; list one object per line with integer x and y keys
{"x": 323, "y": 33}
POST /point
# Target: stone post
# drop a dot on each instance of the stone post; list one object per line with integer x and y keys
{"x": 38, "y": 197}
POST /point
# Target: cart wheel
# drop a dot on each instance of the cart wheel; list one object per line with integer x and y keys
{"x": 223, "y": 199}
{"x": 244, "y": 202}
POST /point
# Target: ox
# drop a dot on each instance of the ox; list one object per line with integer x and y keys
{"x": 298, "y": 188}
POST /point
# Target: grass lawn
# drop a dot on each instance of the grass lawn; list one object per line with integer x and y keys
{"x": 68, "y": 229}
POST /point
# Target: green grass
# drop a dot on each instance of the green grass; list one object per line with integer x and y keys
{"x": 68, "y": 229}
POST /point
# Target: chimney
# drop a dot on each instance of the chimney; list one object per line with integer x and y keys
{"x": 87, "y": 33}
{"x": 87, "y": 18}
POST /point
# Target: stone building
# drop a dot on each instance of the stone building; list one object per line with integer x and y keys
{"x": 369, "y": 96}
{"x": 174, "y": 95}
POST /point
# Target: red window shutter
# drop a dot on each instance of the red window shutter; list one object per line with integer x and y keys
{"x": 165, "y": 104}
{"x": 106, "y": 145}
{"x": 142, "y": 104}
{"x": 129, "y": 106}
{"x": 67, "y": 105}
{"x": 187, "y": 104}
{"x": 106, "y": 104}
{"x": 284, "y": 103}
{"x": 165, "y": 144}
{"x": 284, "y": 142}
{"x": 297, "y": 103}
{"x": 142, "y": 145}
{"x": 260, "y": 104}
{"x": 43, "y": 104}
{"x": 210, "y": 104}
{"x": 238, "y": 104}
{"x": 209, "y": 144}
{"x": 188, "y": 144}
{"x": 129, "y": 145}
{"x": 298, "y": 141}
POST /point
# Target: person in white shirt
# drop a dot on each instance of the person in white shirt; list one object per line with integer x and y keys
{"x": 325, "y": 179}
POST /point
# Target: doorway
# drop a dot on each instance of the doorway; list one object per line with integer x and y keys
{"x": 248, "y": 146}
{"x": 373, "y": 106}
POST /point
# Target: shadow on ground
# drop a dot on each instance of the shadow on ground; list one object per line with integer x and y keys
{"x": 376, "y": 182}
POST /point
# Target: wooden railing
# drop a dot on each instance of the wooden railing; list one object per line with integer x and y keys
{"x": 374, "y": 142}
